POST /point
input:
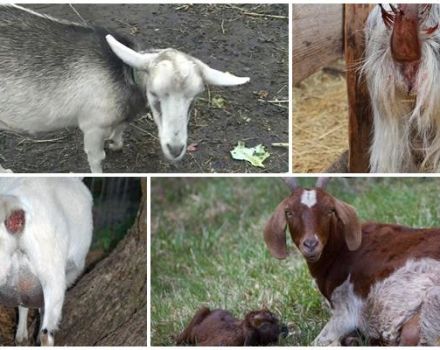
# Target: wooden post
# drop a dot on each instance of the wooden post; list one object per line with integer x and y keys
{"x": 359, "y": 109}
{"x": 317, "y": 37}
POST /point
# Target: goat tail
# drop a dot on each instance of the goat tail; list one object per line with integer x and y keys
{"x": 185, "y": 336}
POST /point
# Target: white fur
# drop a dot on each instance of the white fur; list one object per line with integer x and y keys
{"x": 414, "y": 288}
{"x": 408, "y": 291}
{"x": 346, "y": 315}
{"x": 403, "y": 123}
{"x": 53, "y": 245}
{"x": 174, "y": 79}
{"x": 22, "y": 333}
{"x": 308, "y": 198}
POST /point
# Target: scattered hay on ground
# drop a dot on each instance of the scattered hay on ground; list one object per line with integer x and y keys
{"x": 320, "y": 120}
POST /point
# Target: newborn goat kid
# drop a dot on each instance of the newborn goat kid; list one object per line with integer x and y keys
{"x": 382, "y": 279}
{"x": 402, "y": 69}
{"x": 220, "y": 328}
{"x": 45, "y": 234}
{"x": 56, "y": 74}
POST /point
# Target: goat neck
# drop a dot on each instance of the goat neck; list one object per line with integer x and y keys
{"x": 332, "y": 269}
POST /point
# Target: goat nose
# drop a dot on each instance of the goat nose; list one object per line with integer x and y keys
{"x": 310, "y": 244}
{"x": 175, "y": 151}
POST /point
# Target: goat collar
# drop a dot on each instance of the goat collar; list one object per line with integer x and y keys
{"x": 136, "y": 76}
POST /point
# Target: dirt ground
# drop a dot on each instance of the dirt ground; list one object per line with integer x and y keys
{"x": 247, "y": 40}
{"x": 320, "y": 121}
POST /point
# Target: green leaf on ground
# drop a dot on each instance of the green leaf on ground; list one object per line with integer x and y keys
{"x": 254, "y": 155}
{"x": 218, "y": 102}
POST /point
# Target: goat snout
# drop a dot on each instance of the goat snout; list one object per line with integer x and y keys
{"x": 310, "y": 244}
{"x": 310, "y": 249}
{"x": 175, "y": 150}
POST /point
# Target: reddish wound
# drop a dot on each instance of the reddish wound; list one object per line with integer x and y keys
{"x": 15, "y": 222}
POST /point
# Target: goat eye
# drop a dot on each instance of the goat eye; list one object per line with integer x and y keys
{"x": 153, "y": 94}
{"x": 289, "y": 214}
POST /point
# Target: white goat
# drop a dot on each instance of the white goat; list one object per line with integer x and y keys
{"x": 45, "y": 234}
{"x": 56, "y": 74}
{"x": 402, "y": 68}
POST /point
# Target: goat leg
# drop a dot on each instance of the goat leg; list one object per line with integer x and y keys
{"x": 3, "y": 170}
{"x": 410, "y": 333}
{"x": 21, "y": 336}
{"x": 117, "y": 137}
{"x": 332, "y": 333}
{"x": 94, "y": 138}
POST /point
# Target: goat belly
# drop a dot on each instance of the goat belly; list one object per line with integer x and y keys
{"x": 412, "y": 289}
{"x": 22, "y": 287}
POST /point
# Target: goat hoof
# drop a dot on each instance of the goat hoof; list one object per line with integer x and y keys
{"x": 115, "y": 146}
{"x": 46, "y": 338}
{"x": 22, "y": 341}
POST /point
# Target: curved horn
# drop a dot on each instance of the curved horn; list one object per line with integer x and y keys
{"x": 322, "y": 182}
{"x": 291, "y": 182}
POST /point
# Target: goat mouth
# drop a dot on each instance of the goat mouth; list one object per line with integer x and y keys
{"x": 172, "y": 158}
{"x": 312, "y": 257}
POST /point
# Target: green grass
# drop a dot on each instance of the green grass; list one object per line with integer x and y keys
{"x": 207, "y": 247}
{"x": 107, "y": 239}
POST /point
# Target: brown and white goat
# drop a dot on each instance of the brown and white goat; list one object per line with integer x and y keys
{"x": 382, "y": 279}
{"x": 402, "y": 69}
{"x": 221, "y": 328}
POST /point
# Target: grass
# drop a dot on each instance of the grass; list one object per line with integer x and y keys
{"x": 207, "y": 247}
{"x": 106, "y": 239}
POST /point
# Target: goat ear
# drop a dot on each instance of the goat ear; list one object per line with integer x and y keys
{"x": 12, "y": 214}
{"x": 215, "y": 77}
{"x": 351, "y": 224}
{"x": 275, "y": 232}
{"x": 129, "y": 56}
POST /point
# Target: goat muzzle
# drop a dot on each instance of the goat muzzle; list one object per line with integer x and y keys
{"x": 311, "y": 249}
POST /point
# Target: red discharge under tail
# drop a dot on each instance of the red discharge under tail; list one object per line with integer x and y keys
{"x": 405, "y": 42}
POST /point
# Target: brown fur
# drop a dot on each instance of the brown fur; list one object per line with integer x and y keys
{"x": 221, "y": 328}
{"x": 367, "y": 253}
{"x": 383, "y": 247}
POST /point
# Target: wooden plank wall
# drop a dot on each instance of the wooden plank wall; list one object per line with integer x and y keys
{"x": 317, "y": 37}
{"x": 321, "y": 37}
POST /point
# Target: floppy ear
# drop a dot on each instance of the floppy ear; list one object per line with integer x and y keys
{"x": 12, "y": 214}
{"x": 129, "y": 56}
{"x": 215, "y": 77}
{"x": 275, "y": 232}
{"x": 351, "y": 224}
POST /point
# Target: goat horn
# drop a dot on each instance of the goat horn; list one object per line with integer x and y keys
{"x": 322, "y": 182}
{"x": 291, "y": 182}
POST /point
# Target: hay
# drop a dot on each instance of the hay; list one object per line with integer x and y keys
{"x": 320, "y": 121}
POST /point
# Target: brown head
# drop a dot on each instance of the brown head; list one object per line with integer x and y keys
{"x": 262, "y": 328}
{"x": 314, "y": 218}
